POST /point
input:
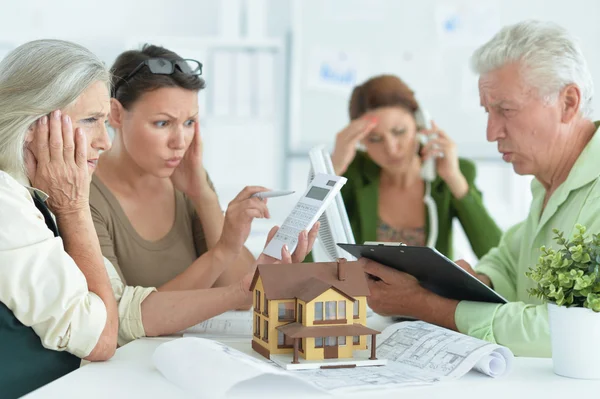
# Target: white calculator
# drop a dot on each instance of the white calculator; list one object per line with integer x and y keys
{"x": 321, "y": 191}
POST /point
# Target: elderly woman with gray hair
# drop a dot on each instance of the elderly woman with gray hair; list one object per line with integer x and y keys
{"x": 60, "y": 300}
{"x": 56, "y": 301}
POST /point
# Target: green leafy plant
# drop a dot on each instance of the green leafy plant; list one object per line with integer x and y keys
{"x": 569, "y": 276}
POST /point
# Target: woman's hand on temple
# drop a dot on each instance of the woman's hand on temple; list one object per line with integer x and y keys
{"x": 190, "y": 176}
{"x": 347, "y": 140}
{"x": 56, "y": 163}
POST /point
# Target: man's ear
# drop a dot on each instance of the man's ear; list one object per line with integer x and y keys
{"x": 570, "y": 99}
{"x": 115, "y": 117}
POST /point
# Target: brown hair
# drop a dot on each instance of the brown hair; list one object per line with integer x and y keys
{"x": 381, "y": 91}
{"x": 144, "y": 80}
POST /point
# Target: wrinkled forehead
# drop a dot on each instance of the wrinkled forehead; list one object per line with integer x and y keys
{"x": 95, "y": 99}
{"x": 504, "y": 84}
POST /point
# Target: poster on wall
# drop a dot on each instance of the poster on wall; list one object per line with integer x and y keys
{"x": 333, "y": 70}
{"x": 467, "y": 23}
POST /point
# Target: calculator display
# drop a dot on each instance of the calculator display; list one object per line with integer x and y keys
{"x": 317, "y": 193}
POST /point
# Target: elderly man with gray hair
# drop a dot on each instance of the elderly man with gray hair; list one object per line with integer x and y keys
{"x": 536, "y": 88}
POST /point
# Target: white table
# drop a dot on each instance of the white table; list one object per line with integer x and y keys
{"x": 130, "y": 374}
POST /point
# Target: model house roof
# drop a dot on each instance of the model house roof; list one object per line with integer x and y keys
{"x": 306, "y": 281}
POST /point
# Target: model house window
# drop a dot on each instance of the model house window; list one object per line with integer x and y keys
{"x": 341, "y": 309}
{"x": 342, "y": 341}
{"x": 356, "y": 340}
{"x": 286, "y": 311}
{"x": 284, "y": 341}
{"x": 300, "y": 312}
{"x": 257, "y": 302}
{"x": 266, "y": 332}
{"x": 330, "y": 341}
{"x": 318, "y": 310}
{"x": 266, "y": 307}
{"x": 330, "y": 310}
{"x": 356, "y": 309}
{"x": 318, "y": 342}
{"x": 257, "y": 325}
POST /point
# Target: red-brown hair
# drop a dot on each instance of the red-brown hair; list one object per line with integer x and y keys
{"x": 381, "y": 91}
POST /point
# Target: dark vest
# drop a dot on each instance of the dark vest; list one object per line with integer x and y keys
{"x": 25, "y": 364}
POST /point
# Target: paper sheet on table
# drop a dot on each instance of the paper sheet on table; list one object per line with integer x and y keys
{"x": 418, "y": 353}
{"x": 212, "y": 369}
{"x": 235, "y": 324}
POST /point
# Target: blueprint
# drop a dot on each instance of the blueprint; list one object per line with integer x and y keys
{"x": 418, "y": 353}
{"x": 447, "y": 354}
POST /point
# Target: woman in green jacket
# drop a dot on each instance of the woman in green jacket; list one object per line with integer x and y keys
{"x": 384, "y": 195}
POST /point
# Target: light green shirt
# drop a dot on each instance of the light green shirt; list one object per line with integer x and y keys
{"x": 522, "y": 324}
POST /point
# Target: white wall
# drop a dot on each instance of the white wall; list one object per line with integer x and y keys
{"x": 238, "y": 151}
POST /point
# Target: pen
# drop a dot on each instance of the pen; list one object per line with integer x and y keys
{"x": 272, "y": 194}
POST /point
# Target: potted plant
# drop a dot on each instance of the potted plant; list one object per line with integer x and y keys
{"x": 569, "y": 280}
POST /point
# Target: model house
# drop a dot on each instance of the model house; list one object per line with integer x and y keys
{"x": 313, "y": 310}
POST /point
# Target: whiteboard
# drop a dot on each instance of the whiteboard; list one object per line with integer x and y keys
{"x": 427, "y": 43}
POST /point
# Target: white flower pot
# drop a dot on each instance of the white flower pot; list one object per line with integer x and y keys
{"x": 575, "y": 337}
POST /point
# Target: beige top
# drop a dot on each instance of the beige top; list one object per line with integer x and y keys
{"x": 138, "y": 261}
{"x": 44, "y": 288}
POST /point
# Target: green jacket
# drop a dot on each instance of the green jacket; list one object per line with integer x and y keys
{"x": 361, "y": 198}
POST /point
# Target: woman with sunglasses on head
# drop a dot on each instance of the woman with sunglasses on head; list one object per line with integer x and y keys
{"x": 155, "y": 210}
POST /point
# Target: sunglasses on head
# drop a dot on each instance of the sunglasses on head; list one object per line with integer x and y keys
{"x": 162, "y": 66}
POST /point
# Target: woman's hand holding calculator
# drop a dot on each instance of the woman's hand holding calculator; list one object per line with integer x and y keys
{"x": 306, "y": 241}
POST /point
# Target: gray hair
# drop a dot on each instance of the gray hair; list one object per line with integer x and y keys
{"x": 550, "y": 56}
{"x": 36, "y": 79}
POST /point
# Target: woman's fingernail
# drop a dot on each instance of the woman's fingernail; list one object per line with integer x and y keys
{"x": 44, "y": 120}
{"x": 56, "y": 114}
{"x": 285, "y": 248}
{"x": 66, "y": 119}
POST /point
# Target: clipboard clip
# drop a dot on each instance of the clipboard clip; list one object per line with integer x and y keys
{"x": 387, "y": 244}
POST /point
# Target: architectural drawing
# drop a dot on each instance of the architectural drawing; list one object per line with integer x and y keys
{"x": 428, "y": 347}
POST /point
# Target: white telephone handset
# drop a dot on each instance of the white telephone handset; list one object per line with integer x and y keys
{"x": 424, "y": 122}
{"x": 428, "y": 173}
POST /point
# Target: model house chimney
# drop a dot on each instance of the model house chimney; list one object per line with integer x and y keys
{"x": 341, "y": 269}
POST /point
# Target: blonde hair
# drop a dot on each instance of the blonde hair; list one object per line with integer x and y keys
{"x": 36, "y": 79}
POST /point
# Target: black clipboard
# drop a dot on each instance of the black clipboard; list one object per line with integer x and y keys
{"x": 433, "y": 270}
